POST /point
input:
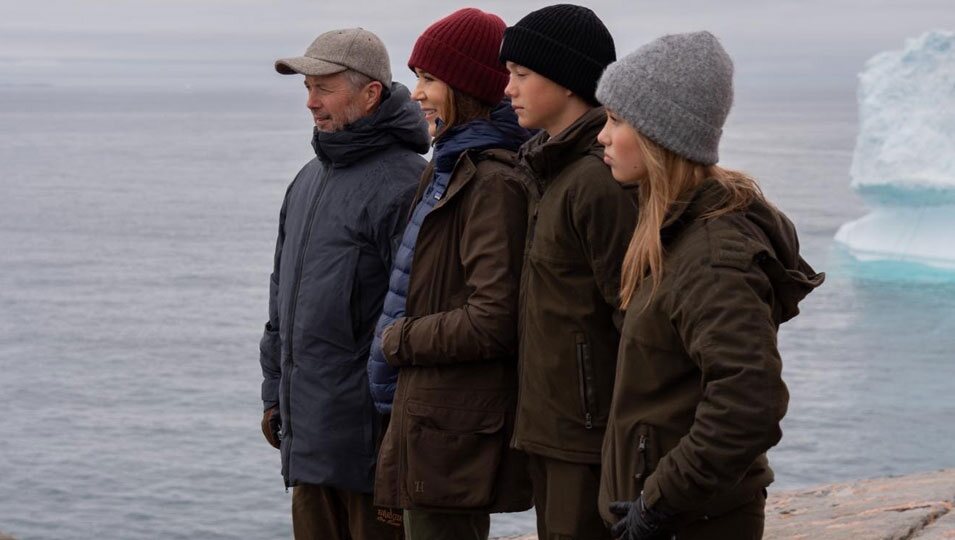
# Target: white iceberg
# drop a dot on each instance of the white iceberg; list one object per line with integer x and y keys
{"x": 904, "y": 160}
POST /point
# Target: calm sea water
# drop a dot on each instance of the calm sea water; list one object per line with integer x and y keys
{"x": 136, "y": 234}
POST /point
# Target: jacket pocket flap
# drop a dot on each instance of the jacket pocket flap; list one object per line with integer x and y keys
{"x": 455, "y": 420}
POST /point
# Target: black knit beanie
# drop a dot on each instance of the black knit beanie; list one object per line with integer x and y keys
{"x": 568, "y": 44}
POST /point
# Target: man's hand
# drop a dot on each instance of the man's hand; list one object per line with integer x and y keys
{"x": 639, "y": 522}
{"x": 271, "y": 424}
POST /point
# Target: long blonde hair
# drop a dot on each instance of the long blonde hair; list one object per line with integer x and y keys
{"x": 671, "y": 178}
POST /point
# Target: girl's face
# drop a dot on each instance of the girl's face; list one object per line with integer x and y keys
{"x": 433, "y": 96}
{"x": 622, "y": 150}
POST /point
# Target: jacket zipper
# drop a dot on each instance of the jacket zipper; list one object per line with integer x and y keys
{"x": 642, "y": 451}
{"x": 290, "y": 320}
{"x": 540, "y": 188}
{"x": 529, "y": 241}
{"x": 586, "y": 384}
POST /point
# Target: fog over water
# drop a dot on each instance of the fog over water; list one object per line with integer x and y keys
{"x": 144, "y": 151}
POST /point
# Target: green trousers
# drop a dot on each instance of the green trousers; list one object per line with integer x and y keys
{"x": 428, "y": 525}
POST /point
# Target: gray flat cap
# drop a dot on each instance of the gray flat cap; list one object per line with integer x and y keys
{"x": 335, "y": 51}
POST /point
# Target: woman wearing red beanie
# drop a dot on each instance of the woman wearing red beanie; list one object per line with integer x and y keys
{"x": 448, "y": 333}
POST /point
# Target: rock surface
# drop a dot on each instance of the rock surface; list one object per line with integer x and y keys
{"x": 918, "y": 507}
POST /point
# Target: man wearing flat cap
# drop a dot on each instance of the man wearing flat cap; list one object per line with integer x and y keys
{"x": 339, "y": 225}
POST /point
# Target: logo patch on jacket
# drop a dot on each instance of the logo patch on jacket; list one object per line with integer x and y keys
{"x": 390, "y": 517}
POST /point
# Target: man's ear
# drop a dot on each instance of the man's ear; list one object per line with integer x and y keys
{"x": 371, "y": 95}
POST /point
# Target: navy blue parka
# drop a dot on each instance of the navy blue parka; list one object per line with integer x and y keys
{"x": 339, "y": 226}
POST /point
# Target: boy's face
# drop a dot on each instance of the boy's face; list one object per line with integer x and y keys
{"x": 538, "y": 101}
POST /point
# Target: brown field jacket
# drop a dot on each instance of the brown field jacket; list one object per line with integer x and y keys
{"x": 699, "y": 393}
{"x": 446, "y": 447}
{"x": 580, "y": 223}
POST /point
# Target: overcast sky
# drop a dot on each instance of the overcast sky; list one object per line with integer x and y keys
{"x": 796, "y": 39}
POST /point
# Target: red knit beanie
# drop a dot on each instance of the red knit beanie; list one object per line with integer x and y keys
{"x": 462, "y": 51}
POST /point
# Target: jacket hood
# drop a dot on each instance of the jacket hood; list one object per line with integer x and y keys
{"x": 397, "y": 121}
{"x": 500, "y": 131}
{"x": 546, "y": 156}
{"x": 774, "y": 246}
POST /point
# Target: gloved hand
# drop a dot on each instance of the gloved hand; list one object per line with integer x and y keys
{"x": 271, "y": 424}
{"x": 640, "y": 522}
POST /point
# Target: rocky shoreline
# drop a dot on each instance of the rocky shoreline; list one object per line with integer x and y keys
{"x": 914, "y": 507}
{"x": 918, "y": 506}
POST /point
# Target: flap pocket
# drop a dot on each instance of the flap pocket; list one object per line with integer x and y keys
{"x": 453, "y": 456}
{"x": 455, "y": 420}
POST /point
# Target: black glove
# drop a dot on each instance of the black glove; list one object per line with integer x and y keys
{"x": 271, "y": 425}
{"x": 639, "y": 522}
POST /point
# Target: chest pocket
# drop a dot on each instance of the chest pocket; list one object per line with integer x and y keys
{"x": 555, "y": 240}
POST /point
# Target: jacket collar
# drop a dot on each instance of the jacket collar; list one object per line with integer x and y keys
{"x": 459, "y": 150}
{"x": 464, "y": 171}
{"x": 704, "y": 198}
{"x": 500, "y": 130}
{"x": 546, "y": 157}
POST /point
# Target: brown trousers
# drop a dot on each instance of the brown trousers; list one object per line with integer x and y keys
{"x": 565, "y": 499}
{"x": 320, "y": 513}
{"x": 743, "y": 523}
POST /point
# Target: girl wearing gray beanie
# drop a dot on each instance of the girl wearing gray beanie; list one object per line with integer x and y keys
{"x": 710, "y": 273}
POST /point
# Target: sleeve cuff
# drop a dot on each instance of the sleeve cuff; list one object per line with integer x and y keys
{"x": 391, "y": 340}
{"x": 651, "y": 493}
{"x": 670, "y": 502}
{"x": 270, "y": 392}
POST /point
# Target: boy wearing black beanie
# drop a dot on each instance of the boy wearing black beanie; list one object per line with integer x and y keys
{"x": 580, "y": 223}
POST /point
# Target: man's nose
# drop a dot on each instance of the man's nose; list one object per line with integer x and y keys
{"x": 313, "y": 102}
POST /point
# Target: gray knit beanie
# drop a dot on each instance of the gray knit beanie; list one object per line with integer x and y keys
{"x": 676, "y": 90}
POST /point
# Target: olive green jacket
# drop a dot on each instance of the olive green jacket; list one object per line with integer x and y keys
{"x": 699, "y": 393}
{"x": 580, "y": 224}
